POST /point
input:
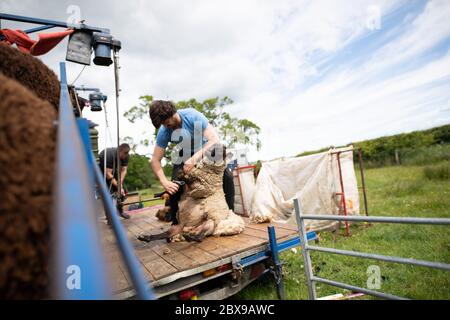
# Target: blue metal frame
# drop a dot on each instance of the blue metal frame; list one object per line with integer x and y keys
{"x": 50, "y": 23}
{"x": 273, "y": 253}
{"x": 143, "y": 290}
{"x": 283, "y": 246}
{"x": 77, "y": 251}
{"x": 277, "y": 266}
{"x": 77, "y": 241}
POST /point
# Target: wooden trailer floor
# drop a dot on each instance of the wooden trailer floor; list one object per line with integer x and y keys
{"x": 165, "y": 262}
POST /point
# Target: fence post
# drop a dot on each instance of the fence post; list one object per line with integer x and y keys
{"x": 305, "y": 251}
{"x": 277, "y": 266}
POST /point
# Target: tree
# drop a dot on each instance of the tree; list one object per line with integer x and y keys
{"x": 231, "y": 130}
{"x": 139, "y": 174}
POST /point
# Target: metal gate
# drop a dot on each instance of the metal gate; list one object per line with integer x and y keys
{"x": 306, "y": 248}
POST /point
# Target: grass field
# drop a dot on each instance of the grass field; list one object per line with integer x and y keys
{"x": 148, "y": 193}
{"x": 416, "y": 191}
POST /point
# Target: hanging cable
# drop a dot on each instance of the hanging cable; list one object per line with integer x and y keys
{"x": 78, "y": 75}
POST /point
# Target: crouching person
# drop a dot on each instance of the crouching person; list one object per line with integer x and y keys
{"x": 193, "y": 135}
{"x": 109, "y": 167}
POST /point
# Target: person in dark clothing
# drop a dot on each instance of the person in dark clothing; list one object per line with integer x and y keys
{"x": 112, "y": 173}
{"x": 193, "y": 134}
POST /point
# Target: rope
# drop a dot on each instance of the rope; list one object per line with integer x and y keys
{"x": 78, "y": 75}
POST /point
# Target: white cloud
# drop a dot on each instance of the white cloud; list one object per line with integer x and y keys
{"x": 263, "y": 54}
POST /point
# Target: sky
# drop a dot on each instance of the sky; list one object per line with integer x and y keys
{"x": 311, "y": 74}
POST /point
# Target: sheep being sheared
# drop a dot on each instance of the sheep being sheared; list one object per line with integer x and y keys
{"x": 203, "y": 210}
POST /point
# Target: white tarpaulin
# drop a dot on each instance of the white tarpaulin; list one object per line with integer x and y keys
{"x": 314, "y": 179}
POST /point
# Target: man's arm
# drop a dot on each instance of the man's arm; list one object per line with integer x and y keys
{"x": 169, "y": 186}
{"x": 211, "y": 135}
{"x": 109, "y": 176}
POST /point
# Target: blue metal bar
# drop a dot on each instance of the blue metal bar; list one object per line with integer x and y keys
{"x": 13, "y": 17}
{"x": 143, "y": 290}
{"x": 283, "y": 246}
{"x": 278, "y": 273}
{"x": 79, "y": 264}
{"x": 37, "y": 29}
{"x": 126, "y": 249}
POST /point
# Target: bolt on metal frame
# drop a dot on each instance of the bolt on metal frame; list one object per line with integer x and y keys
{"x": 306, "y": 248}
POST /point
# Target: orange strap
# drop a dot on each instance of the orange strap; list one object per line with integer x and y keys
{"x": 45, "y": 43}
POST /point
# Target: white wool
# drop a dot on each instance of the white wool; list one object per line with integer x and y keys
{"x": 232, "y": 224}
{"x": 260, "y": 218}
{"x": 204, "y": 199}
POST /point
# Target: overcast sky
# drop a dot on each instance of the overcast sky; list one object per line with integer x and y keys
{"x": 311, "y": 74}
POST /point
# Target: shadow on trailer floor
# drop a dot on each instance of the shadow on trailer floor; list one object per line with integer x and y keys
{"x": 171, "y": 267}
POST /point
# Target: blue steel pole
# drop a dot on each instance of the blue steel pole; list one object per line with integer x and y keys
{"x": 137, "y": 277}
{"x": 78, "y": 261}
{"x": 276, "y": 261}
{"x": 54, "y": 23}
{"x": 143, "y": 290}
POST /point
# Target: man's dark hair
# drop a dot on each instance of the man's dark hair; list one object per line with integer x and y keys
{"x": 125, "y": 147}
{"x": 160, "y": 111}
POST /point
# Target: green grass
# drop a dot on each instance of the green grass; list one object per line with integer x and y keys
{"x": 438, "y": 172}
{"x": 421, "y": 156}
{"x": 392, "y": 191}
{"x": 148, "y": 193}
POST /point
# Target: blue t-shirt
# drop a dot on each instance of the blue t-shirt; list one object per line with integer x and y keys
{"x": 193, "y": 123}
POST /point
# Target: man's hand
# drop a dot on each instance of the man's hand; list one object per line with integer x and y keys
{"x": 188, "y": 165}
{"x": 170, "y": 187}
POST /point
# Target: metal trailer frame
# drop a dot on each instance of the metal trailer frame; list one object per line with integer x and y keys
{"x": 341, "y": 181}
{"x": 48, "y": 24}
{"x": 311, "y": 279}
{"x": 77, "y": 235}
{"x": 238, "y": 264}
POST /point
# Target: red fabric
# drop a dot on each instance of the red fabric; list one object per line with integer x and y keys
{"x": 46, "y": 42}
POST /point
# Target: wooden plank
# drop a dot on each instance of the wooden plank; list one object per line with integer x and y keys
{"x": 152, "y": 267}
{"x": 173, "y": 257}
{"x": 154, "y": 264}
{"x": 256, "y": 233}
{"x": 168, "y": 253}
{"x": 161, "y": 259}
{"x": 214, "y": 248}
{"x": 286, "y": 226}
{"x": 120, "y": 281}
{"x": 280, "y": 233}
{"x": 237, "y": 244}
{"x": 198, "y": 255}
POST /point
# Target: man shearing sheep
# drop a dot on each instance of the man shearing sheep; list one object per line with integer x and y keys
{"x": 193, "y": 134}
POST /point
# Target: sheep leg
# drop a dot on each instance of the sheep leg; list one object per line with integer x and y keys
{"x": 200, "y": 232}
{"x": 173, "y": 230}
